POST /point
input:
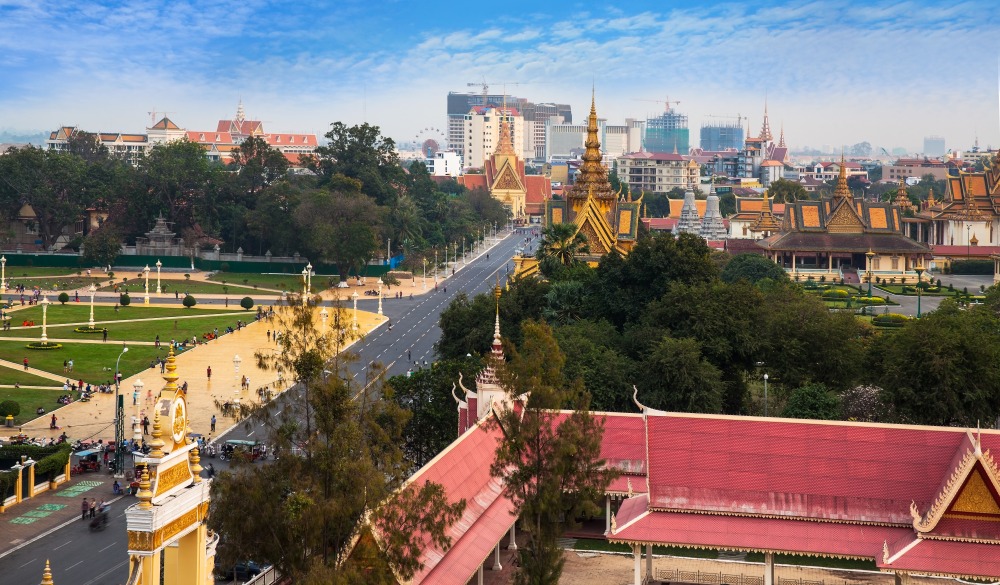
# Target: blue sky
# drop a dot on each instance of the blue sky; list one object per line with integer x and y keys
{"x": 833, "y": 72}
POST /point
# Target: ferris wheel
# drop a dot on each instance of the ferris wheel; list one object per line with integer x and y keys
{"x": 430, "y": 140}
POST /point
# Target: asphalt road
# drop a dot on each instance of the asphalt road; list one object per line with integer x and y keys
{"x": 82, "y": 557}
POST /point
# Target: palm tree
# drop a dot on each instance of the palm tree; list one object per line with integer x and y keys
{"x": 562, "y": 243}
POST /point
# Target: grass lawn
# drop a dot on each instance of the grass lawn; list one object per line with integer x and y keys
{"x": 89, "y": 359}
{"x": 167, "y": 328}
{"x": 12, "y": 375}
{"x": 605, "y": 546}
{"x": 193, "y": 287}
{"x": 22, "y": 271}
{"x": 52, "y": 283}
{"x": 80, "y": 312}
{"x": 274, "y": 281}
{"x": 30, "y": 400}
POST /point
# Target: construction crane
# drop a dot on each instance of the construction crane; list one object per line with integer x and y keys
{"x": 738, "y": 117}
{"x": 486, "y": 86}
{"x": 666, "y": 103}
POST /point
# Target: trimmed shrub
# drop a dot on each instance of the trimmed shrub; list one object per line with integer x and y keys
{"x": 246, "y": 303}
{"x": 972, "y": 267}
{"x": 63, "y": 298}
{"x": 890, "y": 320}
{"x": 9, "y": 407}
{"x": 43, "y": 346}
{"x": 187, "y": 277}
{"x": 124, "y": 300}
{"x": 835, "y": 294}
{"x": 870, "y": 301}
{"x": 190, "y": 301}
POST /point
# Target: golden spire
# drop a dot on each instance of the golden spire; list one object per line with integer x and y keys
{"x": 765, "y": 222}
{"x": 781, "y": 141}
{"x": 842, "y": 191}
{"x": 47, "y": 574}
{"x": 592, "y": 176}
{"x": 156, "y": 445}
{"x": 901, "y": 198}
{"x": 505, "y": 145}
{"x": 930, "y": 198}
{"x": 765, "y": 131}
{"x": 171, "y": 376}
{"x": 145, "y": 496}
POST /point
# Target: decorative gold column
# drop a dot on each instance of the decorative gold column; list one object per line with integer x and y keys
{"x": 47, "y": 574}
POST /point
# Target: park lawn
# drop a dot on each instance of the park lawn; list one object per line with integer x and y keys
{"x": 30, "y": 400}
{"x": 49, "y": 284}
{"x": 192, "y": 287}
{"x": 274, "y": 281}
{"x": 80, "y": 313}
{"x": 19, "y": 376}
{"x": 89, "y": 359}
{"x": 167, "y": 328}
{"x": 28, "y": 271}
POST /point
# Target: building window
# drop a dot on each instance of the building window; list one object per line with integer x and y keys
{"x": 875, "y": 263}
{"x": 895, "y": 263}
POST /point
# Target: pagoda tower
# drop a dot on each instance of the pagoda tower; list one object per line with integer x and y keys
{"x": 712, "y": 226}
{"x": 766, "y": 221}
{"x": 689, "y": 222}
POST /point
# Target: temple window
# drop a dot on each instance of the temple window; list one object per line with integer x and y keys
{"x": 895, "y": 263}
{"x": 875, "y": 263}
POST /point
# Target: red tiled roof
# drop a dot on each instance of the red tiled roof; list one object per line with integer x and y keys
{"x": 471, "y": 182}
{"x": 772, "y": 534}
{"x": 464, "y": 471}
{"x": 943, "y": 558}
{"x": 861, "y": 473}
{"x": 660, "y": 224}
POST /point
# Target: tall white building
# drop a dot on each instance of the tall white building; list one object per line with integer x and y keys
{"x": 482, "y": 133}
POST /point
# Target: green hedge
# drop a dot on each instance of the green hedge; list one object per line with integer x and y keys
{"x": 972, "y": 267}
{"x": 50, "y": 462}
{"x": 869, "y": 300}
{"x": 890, "y": 320}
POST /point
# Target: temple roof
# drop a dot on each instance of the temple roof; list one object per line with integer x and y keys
{"x": 888, "y": 243}
{"x": 592, "y": 178}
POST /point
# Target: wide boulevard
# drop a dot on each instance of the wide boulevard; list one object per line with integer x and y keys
{"x": 82, "y": 557}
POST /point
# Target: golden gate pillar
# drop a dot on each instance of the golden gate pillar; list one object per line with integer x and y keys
{"x": 166, "y": 528}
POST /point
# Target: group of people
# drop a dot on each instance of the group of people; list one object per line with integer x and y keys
{"x": 91, "y": 508}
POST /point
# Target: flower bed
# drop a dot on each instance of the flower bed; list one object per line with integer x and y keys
{"x": 43, "y": 346}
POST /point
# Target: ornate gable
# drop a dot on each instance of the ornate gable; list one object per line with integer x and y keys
{"x": 592, "y": 223}
{"x": 507, "y": 179}
{"x": 970, "y": 493}
{"x": 845, "y": 220}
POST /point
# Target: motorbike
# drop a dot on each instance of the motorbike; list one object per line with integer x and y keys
{"x": 211, "y": 451}
{"x": 100, "y": 521}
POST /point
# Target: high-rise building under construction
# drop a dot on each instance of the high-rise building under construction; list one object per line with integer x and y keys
{"x": 667, "y": 132}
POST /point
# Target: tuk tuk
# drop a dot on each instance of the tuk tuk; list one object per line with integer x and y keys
{"x": 87, "y": 460}
{"x": 245, "y": 449}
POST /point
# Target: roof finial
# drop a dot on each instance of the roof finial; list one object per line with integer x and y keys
{"x": 505, "y": 144}
{"x": 47, "y": 574}
{"x": 781, "y": 141}
{"x": 765, "y": 131}
{"x": 240, "y": 113}
{"x": 842, "y": 191}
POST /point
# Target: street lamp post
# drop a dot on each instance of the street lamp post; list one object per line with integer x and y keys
{"x": 380, "y": 297}
{"x": 870, "y": 254}
{"x": 322, "y": 317}
{"x": 93, "y": 290}
{"x": 435, "y": 267}
{"x": 309, "y": 277}
{"x": 136, "y": 434}
{"x": 45, "y": 307}
{"x": 425, "y": 273}
{"x": 145, "y": 274}
{"x": 919, "y": 269}
{"x": 765, "y": 394}
{"x": 3, "y": 274}
{"x": 119, "y": 417}
{"x": 305, "y": 285}
{"x": 354, "y": 297}
{"x": 158, "y": 266}
{"x": 465, "y": 259}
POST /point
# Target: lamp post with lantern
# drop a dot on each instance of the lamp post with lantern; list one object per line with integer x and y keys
{"x": 158, "y": 266}
{"x": 323, "y": 315}
{"x": 765, "y": 394}
{"x": 919, "y": 269}
{"x": 354, "y": 297}
{"x": 305, "y": 286}
{"x": 45, "y": 307}
{"x": 137, "y": 387}
{"x": 92, "y": 289}
{"x": 309, "y": 278}
{"x": 119, "y": 417}
{"x": 870, "y": 254}
{"x": 379, "y": 297}
{"x": 236, "y": 367}
{"x": 3, "y": 274}
{"x": 145, "y": 296}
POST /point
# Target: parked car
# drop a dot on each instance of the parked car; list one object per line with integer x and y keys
{"x": 240, "y": 571}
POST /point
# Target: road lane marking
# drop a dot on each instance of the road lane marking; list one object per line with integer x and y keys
{"x": 107, "y": 547}
{"x": 29, "y": 562}
{"x": 62, "y": 545}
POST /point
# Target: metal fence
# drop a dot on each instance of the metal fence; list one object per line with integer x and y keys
{"x": 268, "y": 577}
{"x": 703, "y": 578}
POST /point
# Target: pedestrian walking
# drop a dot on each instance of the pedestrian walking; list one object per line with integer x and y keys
{"x": 145, "y": 425}
{"x": 26, "y": 364}
{"x": 70, "y": 365}
{"x": 157, "y": 342}
{"x": 209, "y": 372}
{"x": 105, "y": 334}
{"x": 65, "y": 365}
{"x": 85, "y": 508}
{"x": 269, "y": 336}
{"x": 93, "y": 507}
{"x": 53, "y": 424}
{"x": 213, "y": 423}
{"x": 135, "y": 397}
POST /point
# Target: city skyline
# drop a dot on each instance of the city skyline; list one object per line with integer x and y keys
{"x": 832, "y": 73}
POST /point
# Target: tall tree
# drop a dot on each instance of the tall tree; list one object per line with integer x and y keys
{"x": 550, "y": 463}
{"x": 306, "y": 507}
{"x": 258, "y": 165}
{"x": 340, "y": 227}
{"x": 561, "y": 244}
{"x": 785, "y": 191}
{"x": 362, "y": 153}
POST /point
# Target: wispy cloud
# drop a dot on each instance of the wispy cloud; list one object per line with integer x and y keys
{"x": 835, "y": 70}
